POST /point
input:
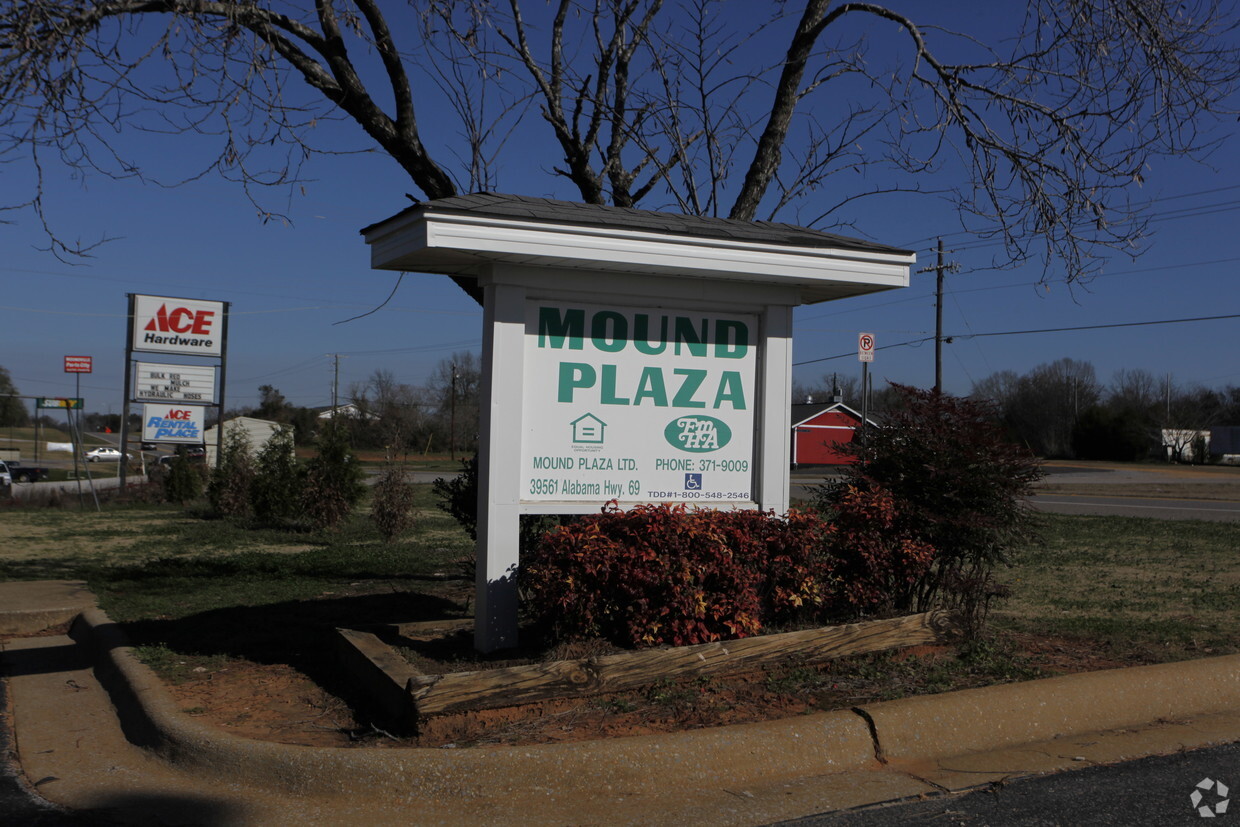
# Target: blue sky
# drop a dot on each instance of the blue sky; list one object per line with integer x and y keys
{"x": 292, "y": 285}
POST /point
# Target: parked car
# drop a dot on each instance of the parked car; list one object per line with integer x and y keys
{"x": 103, "y": 455}
{"x": 23, "y": 473}
{"x": 148, "y": 446}
{"x": 167, "y": 459}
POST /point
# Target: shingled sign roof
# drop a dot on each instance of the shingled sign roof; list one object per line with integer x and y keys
{"x": 462, "y": 235}
{"x": 571, "y": 213}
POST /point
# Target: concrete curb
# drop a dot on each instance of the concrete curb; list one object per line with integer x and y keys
{"x": 920, "y": 728}
{"x": 1001, "y": 717}
{"x": 748, "y": 754}
{"x": 31, "y": 607}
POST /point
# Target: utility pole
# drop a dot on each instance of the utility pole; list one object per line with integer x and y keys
{"x": 335, "y": 357}
{"x": 939, "y": 269}
{"x": 452, "y": 417}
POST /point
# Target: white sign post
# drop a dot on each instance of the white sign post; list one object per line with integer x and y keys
{"x": 865, "y": 354}
{"x": 631, "y": 356}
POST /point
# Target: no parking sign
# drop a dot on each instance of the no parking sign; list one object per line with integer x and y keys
{"x": 865, "y": 347}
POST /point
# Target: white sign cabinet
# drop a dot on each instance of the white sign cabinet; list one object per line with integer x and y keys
{"x": 628, "y": 355}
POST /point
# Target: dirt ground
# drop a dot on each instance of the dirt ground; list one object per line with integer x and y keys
{"x": 277, "y": 703}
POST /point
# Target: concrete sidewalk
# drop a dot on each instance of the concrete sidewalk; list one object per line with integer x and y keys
{"x": 96, "y": 732}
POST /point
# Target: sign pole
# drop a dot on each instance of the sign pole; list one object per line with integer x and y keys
{"x": 219, "y": 425}
{"x": 865, "y": 353}
{"x": 499, "y": 464}
{"x": 128, "y": 389}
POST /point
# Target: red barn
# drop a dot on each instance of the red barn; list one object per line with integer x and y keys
{"x": 816, "y": 428}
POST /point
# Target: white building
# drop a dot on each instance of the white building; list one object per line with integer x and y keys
{"x": 257, "y": 433}
{"x": 1180, "y": 444}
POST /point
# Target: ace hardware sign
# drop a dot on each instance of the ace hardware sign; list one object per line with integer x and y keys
{"x": 186, "y": 326}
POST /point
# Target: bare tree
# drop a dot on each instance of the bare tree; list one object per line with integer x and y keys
{"x": 999, "y": 387}
{"x": 454, "y": 388}
{"x": 389, "y": 407}
{"x": 1136, "y": 390}
{"x": 1041, "y": 408}
{"x": 848, "y": 387}
{"x": 659, "y": 102}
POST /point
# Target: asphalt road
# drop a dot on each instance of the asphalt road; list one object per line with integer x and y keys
{"x": 1163, "y": 509}
{"x": 1153, "y": 791}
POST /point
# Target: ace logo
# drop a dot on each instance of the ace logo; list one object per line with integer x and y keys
{"x": 182, "y": 320}
{"x": 170, "y": 325}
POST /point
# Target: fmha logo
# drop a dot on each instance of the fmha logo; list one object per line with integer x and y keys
{"x": 181, "y": 320}
{"x": 697, "y": 434}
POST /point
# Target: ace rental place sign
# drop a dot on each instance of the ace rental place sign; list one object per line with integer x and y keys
{"x": 638, "y": 404}
{"x": 177, "y": 423}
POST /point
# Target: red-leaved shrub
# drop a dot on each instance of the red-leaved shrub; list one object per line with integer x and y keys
{"x": 876, "y": 563}
{"x": 665, "y": 574}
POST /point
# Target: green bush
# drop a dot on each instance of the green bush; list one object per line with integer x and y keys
{"x": 956, "y": 485}
{"x": 229, "y": 490}
{"x": 277, "y": 485}
{"x": 184, "y": 480}
{"x": 391, "y": 507}
{"x": 458, "y": 497}
{"x": 333, "y": 480}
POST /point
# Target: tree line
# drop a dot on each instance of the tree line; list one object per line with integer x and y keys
{"x": 1062, "y": 410}
{"x": 381, "y": 412}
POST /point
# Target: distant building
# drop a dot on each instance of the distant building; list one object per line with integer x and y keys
{"x": 348, "y": 411}
{"x": 257, "y": 433}
{"x": 1186, "y": 444}
{"x": 819, "y": 429}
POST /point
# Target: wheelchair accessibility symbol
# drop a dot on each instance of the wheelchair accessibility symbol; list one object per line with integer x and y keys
{"x": 693, "y": 482}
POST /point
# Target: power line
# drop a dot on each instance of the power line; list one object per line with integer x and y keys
{"x": 960, "y": 233}
{"x": 960, "y": 292}
{"x": 923, "y": 340}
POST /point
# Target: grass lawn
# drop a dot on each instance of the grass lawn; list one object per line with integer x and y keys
{"x": 160, "y": 561}
{"x": 223, "y": 611}
{"x": 1153, "y": 589}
